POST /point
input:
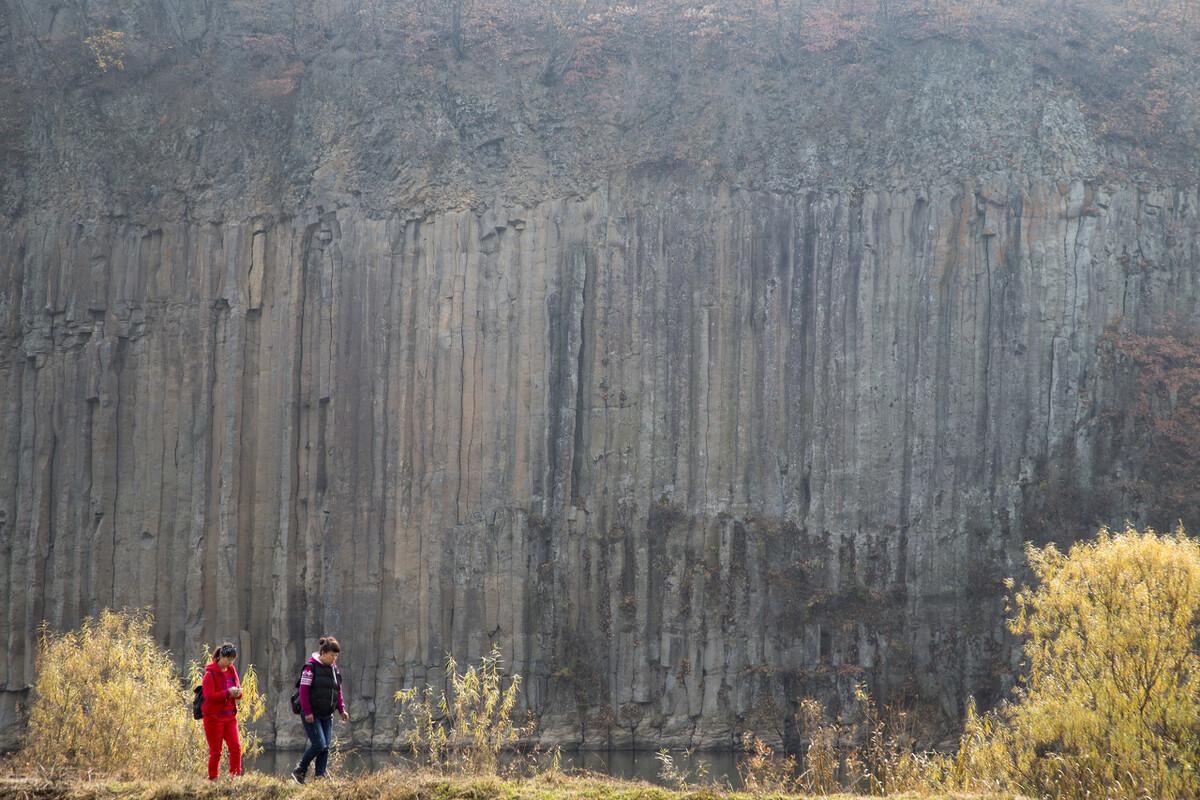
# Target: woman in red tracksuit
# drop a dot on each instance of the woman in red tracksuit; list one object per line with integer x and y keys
{"x": 219, "y": 708}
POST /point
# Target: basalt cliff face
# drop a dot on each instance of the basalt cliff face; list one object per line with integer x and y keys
{"x": 690, "y": 415}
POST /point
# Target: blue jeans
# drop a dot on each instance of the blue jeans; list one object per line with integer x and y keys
{"x": 320, "y": 736}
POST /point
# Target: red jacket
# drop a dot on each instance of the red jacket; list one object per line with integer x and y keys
{"x": 218, "y": 702}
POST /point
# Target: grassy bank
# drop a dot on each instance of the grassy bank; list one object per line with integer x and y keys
{"x": 388, "y": 785}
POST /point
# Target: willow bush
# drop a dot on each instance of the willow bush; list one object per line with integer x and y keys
{"x": 681, "y": 774}
{"x": 1108, "y": 708}
{"x": 762, "y": 772}
{"x": 465, "y": 727}
{"x": 868, "y": 751}
{"x": 108, "y": 701}
{"x": 820, "y": 775}
{"x": 1110, "y": 705}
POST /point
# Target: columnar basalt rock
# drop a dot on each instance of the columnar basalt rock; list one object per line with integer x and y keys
{"x": 700, "y": 369}
{"x": 684, "y": 451}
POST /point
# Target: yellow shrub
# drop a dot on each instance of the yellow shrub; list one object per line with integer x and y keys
{"x": 465, "y": 729}
{"x": 1111, "y": 704}
{"x": 763, "y": 772}
{"x": 821, "y": 757}
{"x": 109, "y": 701}
{"x": 683, "y": 776}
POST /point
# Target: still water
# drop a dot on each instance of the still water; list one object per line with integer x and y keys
{"x": 627, "y": 764}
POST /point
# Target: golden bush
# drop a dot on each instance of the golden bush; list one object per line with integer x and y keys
{"x": 1110, "y": 707}
{"x": 821, "y": 758}
{"x": 762, "y": 772}
{"x": 108, "y": 701}
{"x": 883, "y": 761}
{"x": 467, "y": 728}
{"x": 870, "y": 750}
{"x": 683, "y": 774}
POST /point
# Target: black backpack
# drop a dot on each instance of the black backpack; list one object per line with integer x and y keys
{"x": 296, "y": 709}
{"x": 198, "y": 701}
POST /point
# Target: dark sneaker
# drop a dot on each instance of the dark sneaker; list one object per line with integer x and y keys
{"x": 298, "y": 775}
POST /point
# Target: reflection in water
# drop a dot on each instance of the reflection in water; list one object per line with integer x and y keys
{"x": 628, "y": 764}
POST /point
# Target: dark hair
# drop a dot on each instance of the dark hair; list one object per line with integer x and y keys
{"x": 328, "y": 644}
{"x": 227, "y": 650}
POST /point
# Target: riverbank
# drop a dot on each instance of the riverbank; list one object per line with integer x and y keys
{"x": 386, "y": 785}
{"x": 622, "y": 765}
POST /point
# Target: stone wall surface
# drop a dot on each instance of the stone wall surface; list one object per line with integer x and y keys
{"x": 700, "y": 380}
{"x": 684, "y": 452}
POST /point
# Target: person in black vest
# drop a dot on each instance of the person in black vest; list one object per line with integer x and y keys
{"x": 320, "y": 696}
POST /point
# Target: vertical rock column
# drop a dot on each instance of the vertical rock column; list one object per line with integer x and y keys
{"x": 683, "y": 452}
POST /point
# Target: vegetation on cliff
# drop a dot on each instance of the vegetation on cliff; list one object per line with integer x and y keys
{"x": 1132, "y": 60}
{"x": 1162, "y": 434}
{"x": 550, "y": 97}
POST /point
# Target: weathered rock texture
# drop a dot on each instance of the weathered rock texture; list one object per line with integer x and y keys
{"x": 685, "y": 451}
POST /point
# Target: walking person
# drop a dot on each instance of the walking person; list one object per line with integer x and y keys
{"x": 221, "y": 689}
{"x": 320, "y": 696}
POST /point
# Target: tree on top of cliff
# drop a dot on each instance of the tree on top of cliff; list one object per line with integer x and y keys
{"x": 824, "y": 91}
{"x": 1144, "y": 51}
{"x": 1136, "y": 61}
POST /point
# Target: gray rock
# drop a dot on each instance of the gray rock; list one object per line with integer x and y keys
{"x": 721, "y": 381}
{"x": 685, "y": 455}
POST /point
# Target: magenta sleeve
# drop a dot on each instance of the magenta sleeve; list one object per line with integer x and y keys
{"x": 305, "y": 702}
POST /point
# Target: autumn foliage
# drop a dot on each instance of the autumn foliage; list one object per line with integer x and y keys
{"x": 1132, "y": 65}
{"x": 1134, "y": 62}
{"x": 1164, "y": 368}
{"x": 1109, "y": 703}
{"x": 109, "y": 701}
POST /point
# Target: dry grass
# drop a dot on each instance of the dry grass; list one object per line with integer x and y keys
{"x": 385, "y": 785}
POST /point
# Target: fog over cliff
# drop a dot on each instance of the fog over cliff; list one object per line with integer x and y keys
{"x": 698, "y": 378}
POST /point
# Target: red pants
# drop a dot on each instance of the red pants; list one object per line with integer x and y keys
{"x": 224, "y": 729}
